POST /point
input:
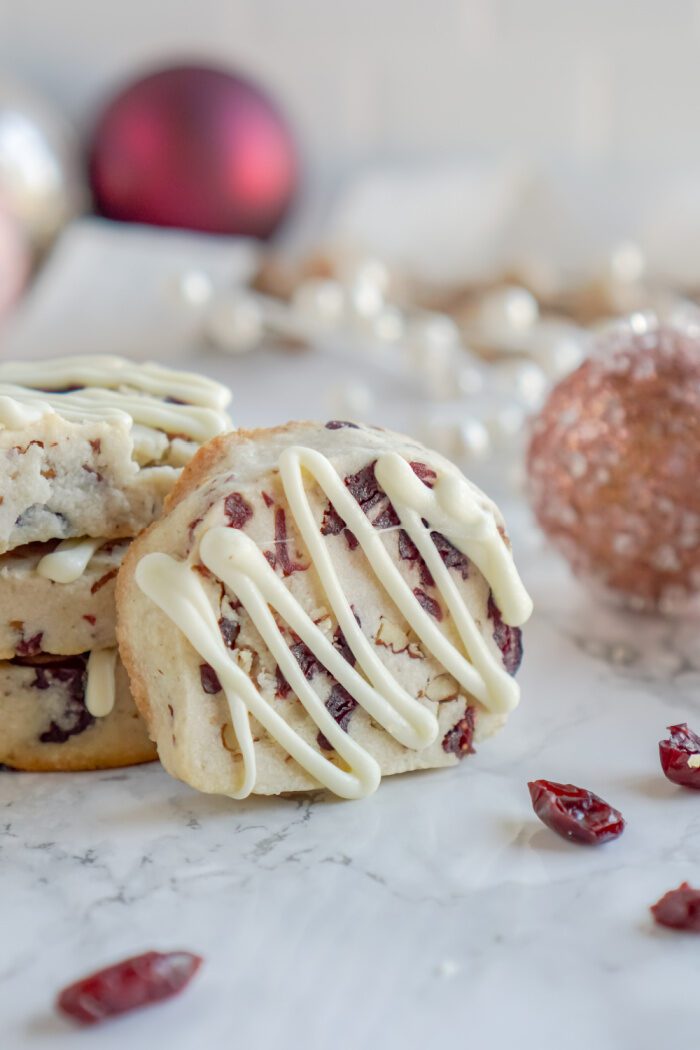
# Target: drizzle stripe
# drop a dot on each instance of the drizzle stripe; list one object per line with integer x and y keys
{"x": 69, "y": 560}
{"x": 100, "y": 690}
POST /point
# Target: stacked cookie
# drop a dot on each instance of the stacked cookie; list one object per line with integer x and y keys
{"x": 90, "y": 446}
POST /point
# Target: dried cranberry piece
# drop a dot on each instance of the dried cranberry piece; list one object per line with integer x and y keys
{"x": 103, "y": 581}
{"x": 340, "y": 643}
{"x": 508, "y": 639}
{"x": 338, "y": 424}
{"x": 453, "y": 558}
{"x": 426, "y": 474}
{"x": 409, "y": 552}
{"x": 341, "y": 706}
{"x": 283, "y": 688}
{"x": 192, "y": 526}
{"x": 128, "y": 985}
{"x": 430, "y": 605}
{"x": 387, "y": 518}
{"x": 71, "y": 674}
{"x": 281, "y": 556}
{"x": 237, "y": 510}
{"x": 332, "y": 522}
{"x": 351, "y": 540}
{"x": 230, "y": 630}
{"x": 305, "y": 658}
{"x": 364, "y": 486}
{"x": 459, "y": 740}
{"x": 308, "y": 663}
{"x": 679, "y": 909}
{"x": 678, "y": 752}
{"x": 407, "y": 548}
{"x": 575, "y": 813}
{"x": 209, "y": 679}
{"x": 30, "y": 646}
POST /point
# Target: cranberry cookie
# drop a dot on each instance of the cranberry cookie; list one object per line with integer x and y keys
{"x": 91, "y": 445}
{"x": 69, "y": 713}
{"x": 59, "y": 597}
{"x": 320, "y": 605}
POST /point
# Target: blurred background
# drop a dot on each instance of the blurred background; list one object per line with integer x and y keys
{"x": 602, "y": 91}
{"x": 439, "y": 200}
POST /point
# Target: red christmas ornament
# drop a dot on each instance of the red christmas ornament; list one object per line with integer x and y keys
{"x": 195, "y": 148}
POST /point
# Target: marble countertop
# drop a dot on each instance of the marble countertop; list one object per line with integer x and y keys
{"x": 438, "y": 912}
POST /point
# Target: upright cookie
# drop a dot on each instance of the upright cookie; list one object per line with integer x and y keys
{"x": 320, "y": 606}
{"x": 91, "y": 445}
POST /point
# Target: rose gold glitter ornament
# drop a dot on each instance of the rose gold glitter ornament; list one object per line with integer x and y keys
{"x": 614, "y": 465}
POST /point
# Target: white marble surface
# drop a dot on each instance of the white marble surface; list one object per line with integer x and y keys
{"x": 438, "y": 912}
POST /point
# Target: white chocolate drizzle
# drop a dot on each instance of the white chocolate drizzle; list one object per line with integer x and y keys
{"x": 96, "y": 404}
{"x": 111, "y": 372}
{"x": 100, "y": 690}
{"x": 146, "y": 397}
{"x": 452, "y": 507}
{"x": 69, "y": 560}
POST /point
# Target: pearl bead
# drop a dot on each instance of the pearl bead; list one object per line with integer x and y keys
{"x": 433, "y": 341}
{"x": 366, "y": 299}
{"x": 319, "y": 302}
{"x": 434, "y": 333}
{"x": 641, "y": 323}
{"x": 530, "y": 384}
{"x": 474, "y": 440}
{"x": 506, "y": 313}
{"x": 235, "y": 323}
{"x": 195, "y": 287}
{"x": 389, "y": 326}
{"x": 470, "y": 380}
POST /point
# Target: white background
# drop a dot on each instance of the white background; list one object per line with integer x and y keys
{"x": 608, "y": 89}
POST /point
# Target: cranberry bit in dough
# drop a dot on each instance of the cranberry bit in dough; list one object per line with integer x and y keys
{"x": 680, "y": 756}
{"x": 237, "y": 510}
{"x": 209, "y": 679}
{"x": 575, "y": 813}
{"x": 128, "y": 985}
{"x": 508, "y": 639}
{"x": 459, "y": 740}
{"x": 679, "y": 909}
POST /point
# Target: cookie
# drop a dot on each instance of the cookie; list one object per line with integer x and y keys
{"x": 69, "y": 713}
{"x": 59, "y": 598}
{"x": 90, "y": 446}
{"x": 320, "y": 606}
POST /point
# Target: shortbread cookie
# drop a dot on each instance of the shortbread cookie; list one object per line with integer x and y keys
{"x": 320, "y": 605}
{"x": 59, "y": 598}
{"x": 91, "y": 445}
{"x": 69, "y": 713}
